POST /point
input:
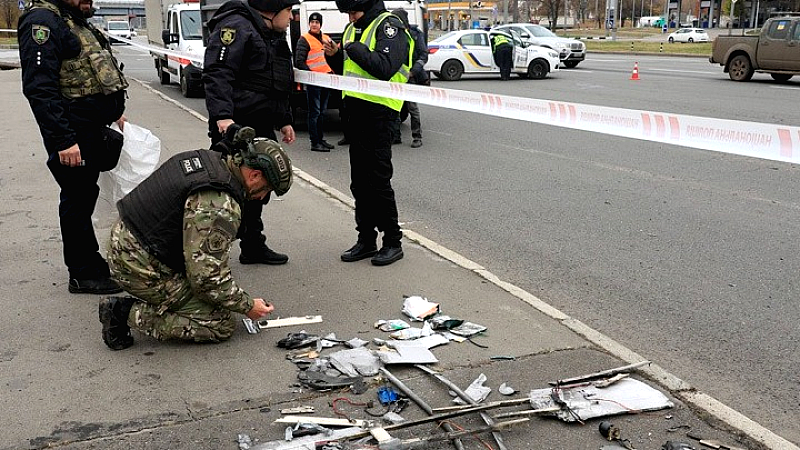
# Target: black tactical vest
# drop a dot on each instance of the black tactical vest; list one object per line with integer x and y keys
{"x": 276, "y": 78}
{"x": 94, "y": 70}
{"x": 153, "y": 211}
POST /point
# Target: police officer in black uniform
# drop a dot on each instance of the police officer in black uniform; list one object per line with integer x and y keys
{"x": 247, "y": 74}
{"x": 378, "y": 46}
{"x": 76, "y": 89}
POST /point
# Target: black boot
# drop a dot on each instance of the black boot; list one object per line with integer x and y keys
{"x": 114, "y": 317}
{"x": 262, "y": 255}
{"x": 387, "y": 255}
{"x": 361, "y": 250}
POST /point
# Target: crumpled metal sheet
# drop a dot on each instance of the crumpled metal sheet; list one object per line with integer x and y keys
{"x": 587, "y": 402}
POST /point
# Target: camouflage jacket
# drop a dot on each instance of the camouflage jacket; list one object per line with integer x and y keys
{"x": 210, "y": 221}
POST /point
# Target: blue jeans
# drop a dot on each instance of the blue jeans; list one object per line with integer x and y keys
{"x": 317, "y": 103}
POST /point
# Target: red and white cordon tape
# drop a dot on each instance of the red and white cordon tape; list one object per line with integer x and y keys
{"x": 754, "y": 139}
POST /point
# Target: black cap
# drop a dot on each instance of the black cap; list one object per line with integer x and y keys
{"x": 272, "y": 5}
{"x": 403, "y": 15}
{"x": 315, "y": 16}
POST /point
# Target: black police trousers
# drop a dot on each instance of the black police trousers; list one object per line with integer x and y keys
{"x": 370, "y": 132}
{"x": 251, "y": 230}
{"x": 78, "y": 197}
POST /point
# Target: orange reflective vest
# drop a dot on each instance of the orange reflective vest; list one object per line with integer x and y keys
{"x": 316, "y": 55}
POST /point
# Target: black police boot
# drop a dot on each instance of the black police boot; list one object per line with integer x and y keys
{"x": 387, "y": 255}
{"x": 361, "y": 250}
{"x": 319, "y": 148}
{"x": 262, "y": 255}
{"x": 327, "y": 145}
{"x": 99, "y": 286}
{"x": 113, "y": 313}
{"x": 343, "y": 141}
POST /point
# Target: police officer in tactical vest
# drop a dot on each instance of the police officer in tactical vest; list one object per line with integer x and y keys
{"x": 375, "y": 45}
{"x": 311, "y": 56}
{"x": 75, "y": 89}
{"x": 503, "y": 51}
{"x": 170, "y": 248}
{"x": 247, "y": 75}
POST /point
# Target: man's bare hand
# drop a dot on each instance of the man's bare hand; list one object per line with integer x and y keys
{"x": 223, "y": 125}
{"x": 330, "y": 47}
{"x": 288, "y": 134}
{"x": 260, "y": 309}
{"x": 121, "y": 122}
{"x": 71, "y": 156}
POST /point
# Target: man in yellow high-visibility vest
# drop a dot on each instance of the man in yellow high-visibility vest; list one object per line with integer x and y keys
{"x": 376, "y": 46}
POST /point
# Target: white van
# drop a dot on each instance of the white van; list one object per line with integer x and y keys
{"x": 119, "y": 28}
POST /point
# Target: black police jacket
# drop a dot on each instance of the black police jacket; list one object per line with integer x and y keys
{"x": 391, "y": 49}
{"x": 44, "y": 42}
{"x": 247, "y": 67}
{"x": 153, "y": 211}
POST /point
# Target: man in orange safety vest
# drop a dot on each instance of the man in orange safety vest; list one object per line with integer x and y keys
{"x": 311, "y": 56}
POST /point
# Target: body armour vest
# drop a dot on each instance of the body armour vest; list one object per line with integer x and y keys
{"x": 277, "y": 77}
{"x": 94, "y": 70}
{"x": 154, "y": 210}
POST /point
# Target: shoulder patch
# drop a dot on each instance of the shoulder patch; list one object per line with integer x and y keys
{"x": 40, "y": 33}
{"x": 191, "y": 165}
{"x": 227, "y": 35}
{"x": 389, "y": 30}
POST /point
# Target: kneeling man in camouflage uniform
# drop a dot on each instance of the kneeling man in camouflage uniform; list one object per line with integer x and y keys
{"x": 170, "y": 248}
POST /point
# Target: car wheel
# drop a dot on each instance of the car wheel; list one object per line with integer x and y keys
{"x": 189, "y": 89}
{"x": 452, "y": 70}
{"x": 537, "y": 69}
{"x": 740, "y": 69}
{"x": 571, "y": 64}
{"x": 782, "y": 77}
{"x": 691, "y": 40}
{"x": 163, "y": 75}
{"x": 672, "y": 40}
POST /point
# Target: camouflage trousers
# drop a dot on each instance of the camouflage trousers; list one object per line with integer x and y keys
{"x": 168, "y": 308}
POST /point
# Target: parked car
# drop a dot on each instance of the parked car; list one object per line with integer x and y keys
{"x": 570, "y": 51}
{"x": 119, "y": 28}
{"x": 470, "y": 51}
{"x": 688, "y": 35}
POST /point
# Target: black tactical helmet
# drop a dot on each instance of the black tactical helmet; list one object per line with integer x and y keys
{"x": 267, "y": 156}
{"x": 272, "y": 5}
{"x": 354, "y": 5}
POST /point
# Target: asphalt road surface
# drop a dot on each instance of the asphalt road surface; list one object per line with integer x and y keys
{"x": 687, "y": 257}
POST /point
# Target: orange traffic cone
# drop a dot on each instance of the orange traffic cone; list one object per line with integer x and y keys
{"x": 635, "y": 74}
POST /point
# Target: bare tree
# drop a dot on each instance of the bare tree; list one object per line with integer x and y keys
{"x": 552, "y": 7}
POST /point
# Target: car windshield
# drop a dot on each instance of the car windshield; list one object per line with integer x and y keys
{"x": 118, "y": 25}
{"x": 539, "y": 31}
{"x": 190, "y": 25}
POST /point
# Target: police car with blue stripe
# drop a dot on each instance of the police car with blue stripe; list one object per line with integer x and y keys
{"x": 470, "y": 52}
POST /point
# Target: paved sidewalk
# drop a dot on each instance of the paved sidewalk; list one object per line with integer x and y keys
{"x": 61, "y": 387}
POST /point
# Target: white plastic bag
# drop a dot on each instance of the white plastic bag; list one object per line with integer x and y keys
{"x": 141, "y": 151}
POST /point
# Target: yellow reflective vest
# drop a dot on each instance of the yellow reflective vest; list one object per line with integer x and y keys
{"x": 351, "y": 69}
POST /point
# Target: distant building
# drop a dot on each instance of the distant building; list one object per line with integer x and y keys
{"x": 130, "y": 10}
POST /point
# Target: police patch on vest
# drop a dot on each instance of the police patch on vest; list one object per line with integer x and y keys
{"x": 227, "y": 36}
{"x": 40, "y": 34}
{"x": 389, "y": 30}
{"x": 191, "y": 165}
